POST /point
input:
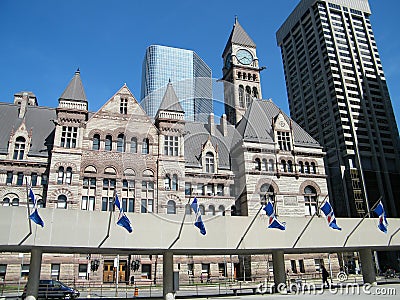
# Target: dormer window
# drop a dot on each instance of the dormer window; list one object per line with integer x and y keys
{"x": 19, "y": 148}
{"x": 210, "y": 162}
{"x": 123, "y": 106}
{"x": 284, "y": 140}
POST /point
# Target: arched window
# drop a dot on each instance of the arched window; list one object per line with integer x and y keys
{"x": 289, "y": 166}
{"x": 174, "y": 185}
{"x": 301, "y": 167}
{"x": 188, "y": 209}
{"x": 210, "y": 168}
{"x": 313, "y": 168}
{"x": 310, "y": 200}
{"x": 211, "y": 210}
{"x": 15, "y": 202}
{"x": 6, "y": 202}
{"x": 108, "y": 144}
{"x": 271, "y": 165}
{"x": 133, "y": 145}
{"x": 241, "y": 96}
{"x": 60, "y": 176}
{"x": 171, "y": 207}
{"x": 121, "y": 143}
{"x": 62, "y": 202}
{"x": 19, "y": 148}
{"x": 248, "y": 96}
{"x": 255, "y": 93}
{"x": 96, "y": 142}
{"x": 221, "y": 210}
{"x": 145, "y": 146}
{"x": 283, "y": 165}
{"x": 267, "y": 193}
{"x": 68, "y": 176}
{"x": 306, "y": 168}
{"x": 239, "y": 75}
{"x": 254, "y": 77}
{"x": 202, "y": 209}
{"x": 257, "y": 164}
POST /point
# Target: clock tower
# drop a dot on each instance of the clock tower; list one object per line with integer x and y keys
{"x": 242, "y": 70}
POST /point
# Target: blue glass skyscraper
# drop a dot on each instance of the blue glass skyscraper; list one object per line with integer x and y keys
{"x": 189, "y": 74}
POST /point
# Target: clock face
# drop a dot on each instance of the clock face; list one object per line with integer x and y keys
{"x": 244, "y": 57}
{"x": 228, "y": 61}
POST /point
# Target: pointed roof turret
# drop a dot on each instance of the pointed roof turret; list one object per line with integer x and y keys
{"x": 170, "y": 101}
{"x": 74, "y": 90}
{"x": 239, "y": 36}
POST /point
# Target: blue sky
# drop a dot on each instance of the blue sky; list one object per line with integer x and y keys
{"x": 42, "y": 43}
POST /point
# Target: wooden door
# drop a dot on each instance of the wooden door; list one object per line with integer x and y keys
{"x": 108, "y": 271}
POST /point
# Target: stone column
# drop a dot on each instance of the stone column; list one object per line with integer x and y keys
{"x": 367, "y": 266}
{"x": 34, "y": 274}
{"x": 278, "y": 260}
{"x": 168, "y": 276}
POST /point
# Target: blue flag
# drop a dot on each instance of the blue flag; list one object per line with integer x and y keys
{"x": 122, "y": 218}
{"x": 330, "y": 216}
{"x": 380, "y": 211}
{"x": 272, "y": 220}
{"x": 34, "y": 216}
{"x": 198, "y": 222}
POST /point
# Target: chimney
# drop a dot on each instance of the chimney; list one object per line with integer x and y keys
{"x": 211, "y": 125}
{"x": 24, "y": 104}
{"x": 224, "y": 125}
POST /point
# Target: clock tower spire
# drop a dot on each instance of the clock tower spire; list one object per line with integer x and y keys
{"x": 242, "y": 70}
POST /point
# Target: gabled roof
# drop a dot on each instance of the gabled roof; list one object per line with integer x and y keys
{"x": 37, "y": 118}
{"x": 256, "y": 124}
{"x": 170, "y": 101}
{"x": 74, "y": 90}
{"x": 239, "y": 37}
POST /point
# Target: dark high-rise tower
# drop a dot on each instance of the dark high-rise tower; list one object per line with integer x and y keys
{"x": 337, "y": 91}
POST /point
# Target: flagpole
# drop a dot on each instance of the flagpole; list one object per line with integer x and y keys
{"x": 29, "y": 214}
{"x": 109, "y": 224}
{"x": 248, "y": 228}
{"x": 180, "y": 229}
{"x": 359, "y": 223}
{"x": 394, "y": 233}
{"x": 308, "y": 223}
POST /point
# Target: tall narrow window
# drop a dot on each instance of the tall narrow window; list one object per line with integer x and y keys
{"x": 147, "y": 196}
{"x": 313, "y": 168}
{"x": 284, "y": 140}
{"x": 108, "y": 194}
{"x": 220, "y": 189}
{"x": 301, "y": 167}
{"x": 145, "y": 146}
{"x": 283, "y": 165}
{"x": 167, "y": 182}
{"x": 19, "y": 148}
{"x": 68, "y": 175}
{"x": 241, "y": 96}
{"x": 123, "y": 107}
{"x": 307, "y": 167}
{"x": 88, "y": 193}
{"x": 248, "y": 96}
{"x": 188, "y": 209}
{"x": 267, "y": 193}
{"x": 271, "y": 165}
{"x": 121, "y": 143}
{"x": 20, "y": 178}
{"x": 60, "y": 175}
{"x": 202, "y": 209}
{"x": 210, "y": 167}
{"x": 108, "y": 144}
{"x": 69, "y": 136}
{"x": 257, "y": 164}
{"x": 211, "y": 210}
{"x": 171, "y": 207}
{"x": 221, "y": 210}
{"x": 128, "y": 195}
{"x": 289, "y": 166}
{"x": 9, "y": 179}
{"x": 310, "y": 200}
{"x": 174, "y": 185}
{"x": 133, "y": 145}
{"x": 34, "y": 177}
{"x": 255, "y": 93}
{"x": 62, "y": 202}
{"x": 96, "y": 142}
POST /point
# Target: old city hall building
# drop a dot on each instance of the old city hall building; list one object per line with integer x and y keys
{"x": 77, "y": 159}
